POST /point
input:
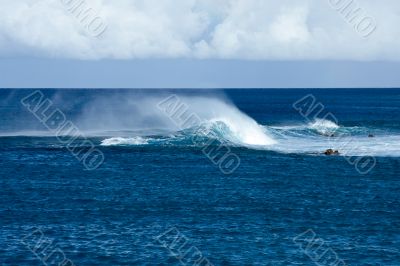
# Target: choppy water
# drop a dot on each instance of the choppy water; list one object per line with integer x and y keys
{"x": 162, "y": 170}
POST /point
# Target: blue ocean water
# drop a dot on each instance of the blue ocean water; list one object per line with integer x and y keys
{"x": 165, "y": 196}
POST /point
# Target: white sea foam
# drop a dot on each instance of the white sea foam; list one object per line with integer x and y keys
{"x": 118, "y": 141}
{"x": 323, "y": 126}
{"x": 241, "y": 131}
{"x": 236, "y": 126}
{"x": 347, "y": 144}
{"x": 226, "y": 120}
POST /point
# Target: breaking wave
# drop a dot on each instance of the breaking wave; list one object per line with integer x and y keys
{"x": 223, "y": 122}
{"x": 225, "y": 132}
{"x": 311, "y": 138}
{"x": 124, "y": 141}
{"x": 323, "y": 126}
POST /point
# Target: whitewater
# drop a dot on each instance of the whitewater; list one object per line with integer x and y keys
{"x": 128, "y": 119}
{"x": 229, "y": 126}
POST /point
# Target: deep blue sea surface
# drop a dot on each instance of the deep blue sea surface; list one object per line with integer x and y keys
{"x": 200, "y": 177}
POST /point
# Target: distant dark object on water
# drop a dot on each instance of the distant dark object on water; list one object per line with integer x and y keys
{"x": 328, "y": 135}
{"x": 331, "y": 152}
{"x": 371, "y": 136}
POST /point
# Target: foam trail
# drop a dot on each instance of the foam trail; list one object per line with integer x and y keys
{"x": 349, "y": 141}
{"x": 321, "y": 126}
{"x": 348, "y": 146}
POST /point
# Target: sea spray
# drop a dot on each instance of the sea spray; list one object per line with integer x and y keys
{"x": 138, "y": 112}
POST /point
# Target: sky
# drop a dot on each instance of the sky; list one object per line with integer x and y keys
{"x": 199, "y": 43}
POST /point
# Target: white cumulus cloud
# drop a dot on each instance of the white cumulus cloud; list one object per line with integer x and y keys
{"x": 231, "y": 29}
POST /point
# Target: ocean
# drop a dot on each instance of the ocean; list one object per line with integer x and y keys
{"x": 200, "y": 177}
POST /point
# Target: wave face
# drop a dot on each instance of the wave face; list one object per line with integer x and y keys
{"x": 243, "y": 131}
{"x": 224, "y": 120}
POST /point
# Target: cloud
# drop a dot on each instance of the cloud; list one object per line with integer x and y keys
{"x": 231, "y": 29}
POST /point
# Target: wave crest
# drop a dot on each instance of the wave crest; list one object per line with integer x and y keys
{"x": 323, "y": 126}
{"x": 118, "y": 141}
{"x": 246, "y": 133}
